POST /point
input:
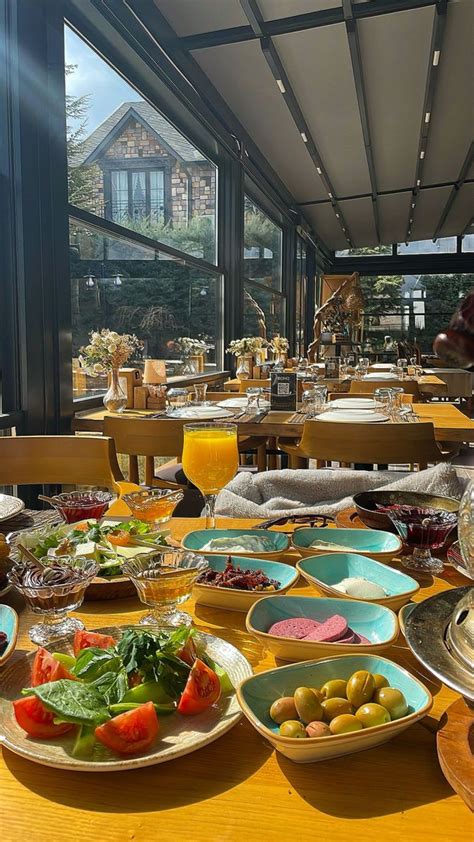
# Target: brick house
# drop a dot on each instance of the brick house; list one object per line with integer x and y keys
{"x": 145, "y": 169}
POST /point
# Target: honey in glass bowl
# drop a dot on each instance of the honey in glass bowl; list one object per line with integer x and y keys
{"x": 153, "y": 505}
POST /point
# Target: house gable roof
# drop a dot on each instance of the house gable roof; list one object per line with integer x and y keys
{"x": 166, "y": 134}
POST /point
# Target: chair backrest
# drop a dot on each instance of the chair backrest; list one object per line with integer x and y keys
{"x": 371, "y": 443}
{"x": 410, "y": 387}
{"x": 145, "y": 436}
{"x": 333, "y": 396}
{"x": 58, "y": 460}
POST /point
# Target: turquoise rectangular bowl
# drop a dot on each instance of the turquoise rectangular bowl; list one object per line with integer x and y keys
{"x": 195, "y": 541}
{"x": 9, "y": 625}
{"x": 257, "y": 693}
{"x": 371, "y": 542}
{"x": 377, "y": 623}
{"x": 325, "y": 571}
{"x": 240, "y": 600}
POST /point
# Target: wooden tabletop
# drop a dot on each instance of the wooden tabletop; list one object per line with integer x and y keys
{"x": 238, "y": 787}
{"x": 449, "y": 422}
{"x": 427, "y": 383}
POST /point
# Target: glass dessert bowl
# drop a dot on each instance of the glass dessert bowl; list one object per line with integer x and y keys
{"x": 164, "y": 579}
{"x": 153, "y": 505}
{"x": 423, "y": 530}
{"x": 74, "y": 506}
{"x": 53, "y": 589}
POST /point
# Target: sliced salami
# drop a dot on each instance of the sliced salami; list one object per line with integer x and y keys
{"x": 332, "y": 629}
{"x": 297, "y": 627}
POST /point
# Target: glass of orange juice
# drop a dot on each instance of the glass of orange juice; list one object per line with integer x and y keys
{"x": 210, "y": 460}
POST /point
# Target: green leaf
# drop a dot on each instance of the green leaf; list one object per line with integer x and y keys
{"x": 112, "y": 686}
{"x": 94, "y": 662}
{"x": 85, "y": 742}
{"x": 73, "y": 701}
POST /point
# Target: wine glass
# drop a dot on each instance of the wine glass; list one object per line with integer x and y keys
{"x": 210, "y": 460}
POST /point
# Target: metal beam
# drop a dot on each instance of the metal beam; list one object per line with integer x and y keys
{"x": 430, "y": 88}
{"x": 455, "y": 191}
{"x": 294, "y": 23}
{"x": 356, "y": 61}
{"x": 385, "y": 192}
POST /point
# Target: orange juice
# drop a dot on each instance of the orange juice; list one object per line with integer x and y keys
{"x": 210, "y": 457}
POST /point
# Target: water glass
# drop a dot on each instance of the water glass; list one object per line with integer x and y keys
{"x": 384, "y": 397}
{"x": 402, "y": 364}
{"x": 200, "y": 390}
{"x": 177, "y": 399}
{"x": 397, "y": 371}
{"x": 397, "y": 399}
{"x": 253, "y": 398}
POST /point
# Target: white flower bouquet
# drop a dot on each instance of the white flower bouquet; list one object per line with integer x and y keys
{"x": 107, "y": 350}
{"x": 279, "y": 344}
{"x": 247, "y": 345}
{"x": 190, "y": 347}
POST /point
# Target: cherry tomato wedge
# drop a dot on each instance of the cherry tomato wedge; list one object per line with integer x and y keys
{"x": 85, "y": 639}
{"x": 81, "y": 527}
{"x": 46, "y": 668}
{"x": 130, "y": 732}
{"x": 202, "y": 689}
{"x": 33, "y": 717}
{"x": 119, "y": 539}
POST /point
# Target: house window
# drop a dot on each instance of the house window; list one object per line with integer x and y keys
{"x": 137, "y": 195}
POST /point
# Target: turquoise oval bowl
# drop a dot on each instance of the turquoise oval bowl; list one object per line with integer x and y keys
{"x": 375, "y": 622}
{"x": 9, "y": 625}
{"x": 257, "y": 693}
{"x": 233, "y": 599}
{"x": 374, "y": 543}
{"x": 195, "y": 541}
{"x": 325, "y": 571}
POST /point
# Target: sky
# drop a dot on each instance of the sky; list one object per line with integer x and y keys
{"x": 107, "y": 90}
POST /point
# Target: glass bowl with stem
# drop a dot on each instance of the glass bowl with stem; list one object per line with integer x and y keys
{"x": 422, "y": 532}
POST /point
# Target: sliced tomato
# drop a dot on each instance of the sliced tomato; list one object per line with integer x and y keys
{"x": 46, "y": 668}
{"x": 130, "y": 732}
{"x": 81, "y": 527}
{"x": 33, "y": 717}
{"x": 188, "y": 652}
{"x": 119, "y": 538}
{"x": 85, "y": 639}
{"x": 202, "y": 689}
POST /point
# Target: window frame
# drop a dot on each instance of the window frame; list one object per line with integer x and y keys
{"x": 134, "y": 165}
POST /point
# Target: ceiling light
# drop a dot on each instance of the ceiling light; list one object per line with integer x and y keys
{"x": 422, "y": 154}
{"x": 281, "y": 86}
{"x": 427, "y": 116}
{"x": 318, "y": 170}
{"x": 413, "y": 204}
{"x": 303, "y": 135}
{"x": 330, "y": 195}
{"x": 436, "y": 55}
{"x": 117, "y": 281}
{"x": 337, "y": 215}
{"x": 418, "y": 182}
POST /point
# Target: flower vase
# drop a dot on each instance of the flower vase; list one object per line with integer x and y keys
{"x": 260, "y": 357}
{"x": 282, "y": 358}
{"x": 190, "y": 366}
{"x": 244, "y": 367}
{"x": 115, "y": 399}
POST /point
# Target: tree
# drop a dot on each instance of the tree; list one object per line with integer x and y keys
{"x": 80, "y": 178}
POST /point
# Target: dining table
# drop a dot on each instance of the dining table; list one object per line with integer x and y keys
{"x": 238, "y": 787}
{"x": 428, "y": 384}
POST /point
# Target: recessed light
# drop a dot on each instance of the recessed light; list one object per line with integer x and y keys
{"x": 303, "y": 135}
{"x": 427, "y": 116}
{"x": 413, "y": 204}
{"x": 318, "y": 170}
{"x": 436, "y": 56}
{"x": 418, "y": 182}
{"x": 337, "y": 215}
{"x": 281, "y": 86}
{"x": 422, "y": 154}
{"x": 330, "y": 195}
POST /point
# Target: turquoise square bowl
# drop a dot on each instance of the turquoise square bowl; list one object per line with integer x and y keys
{"x": 377, "y": 623}
{"x": 257, "y": 693}
{"x": 195, "y": 541}
{"x": 9, "y": 625}
{"x": 240, "y": 600}
{"x": 325, "y": 571}
{"x": 375, "y": 543}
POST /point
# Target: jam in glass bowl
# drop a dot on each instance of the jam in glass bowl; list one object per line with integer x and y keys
{"x": 423, "y": 530}
{"x": 53, "y": 589}
{"x": 74, "y": 506}
{"x": 153, "y": 505}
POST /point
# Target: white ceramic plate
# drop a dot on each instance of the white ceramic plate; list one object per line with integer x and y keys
{"x": 240, "y": 403}
{"x": 10, "y": 506}
{"x": 353, "y": 403}
{"x": 381, "y": 366}
{"x": 352, "y": 416}
{"x": 179, "y": 735}
{"x": 383, "y": 375}
{"x": 201, "y": 413}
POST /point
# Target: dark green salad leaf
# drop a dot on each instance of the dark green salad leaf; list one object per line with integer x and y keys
{"x": 112, "y": 686}
{"x": 73, "y": 701}
{"x": 93, "y": 662}
{"x": 155, "y": 657}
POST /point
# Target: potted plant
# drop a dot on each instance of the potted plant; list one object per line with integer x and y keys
{"x": 106, "y": 353}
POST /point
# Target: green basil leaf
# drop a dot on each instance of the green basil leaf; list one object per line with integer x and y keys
{"x": 73, "y": 701}
{"x": 94, "y": 662}
{"x": 112, "y": 686}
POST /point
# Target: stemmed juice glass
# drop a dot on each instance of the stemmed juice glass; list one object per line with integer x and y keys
{"x": 210, "y": 460}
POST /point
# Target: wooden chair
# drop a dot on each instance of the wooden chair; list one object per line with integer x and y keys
{"x": 148, "y": 437}
{"x": 373, "y": 444}
{"x": 410, "y": 387}
{"x": 59, "y": 460}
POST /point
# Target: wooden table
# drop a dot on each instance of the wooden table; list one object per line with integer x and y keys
{"x": 428, "y": 384}
{"x": 449, "y": 422}
{"x": 238, "y": 787}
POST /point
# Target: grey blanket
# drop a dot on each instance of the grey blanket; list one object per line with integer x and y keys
{"x": 279, "y": 493}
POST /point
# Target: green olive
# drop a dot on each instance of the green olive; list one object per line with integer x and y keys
{"x": 345, "y": 723}
{"x": 318, "y": 729}
{"x": 379, "y": 680}
{"x": 360, "y": 688}
{"x": 335, "y": 707}
{"x": 392, "y": 700}
{"x": 334, "y": 688}
{"x": 283, "y": 709}
{"x": 318, "y": 693}
{"x": 292, "y": 728}
{"x": 308, "y": 706}
{"x": 372, "y": 714}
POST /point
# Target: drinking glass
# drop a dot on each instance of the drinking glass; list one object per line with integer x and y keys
{"x": 402, "y": 364}
{"x": 364, "y": 364}
{"x": 422, "y": 532}
{"x": 397, "y": 400}
{"x": 200, "y": 390}
{"x": 253, "y": 398}
{"x": 177, "y": 399}
{"x": 308, "y": 400}
{"x": 384, "y": 397}
{"x": 397, "y": 371}
{"x": 210, "y": 460}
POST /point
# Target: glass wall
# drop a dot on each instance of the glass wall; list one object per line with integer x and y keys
{"x": 301, "y": 296}
{"x": 264, "y": 303}
{"x": 443, "y": 245}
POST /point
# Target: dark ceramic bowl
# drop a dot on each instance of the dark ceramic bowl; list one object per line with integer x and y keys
{"x": 366, "y": 506}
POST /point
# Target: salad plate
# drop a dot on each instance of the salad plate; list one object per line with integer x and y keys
{"x": 10, "y": 506}
{"x": 178, "y": 734}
